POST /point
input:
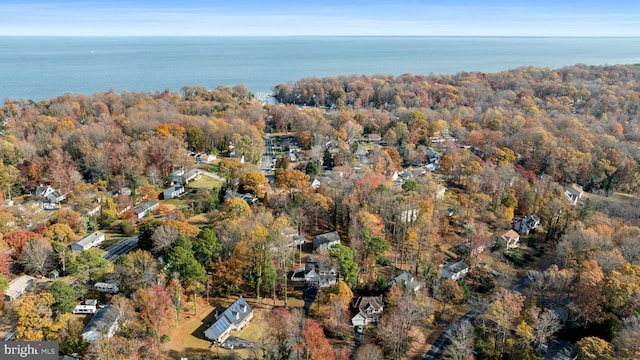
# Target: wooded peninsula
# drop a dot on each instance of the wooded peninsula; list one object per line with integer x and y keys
{"x": 466, "y": 216}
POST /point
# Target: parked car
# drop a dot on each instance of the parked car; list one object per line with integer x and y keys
{"x": 227, "y": 346}
{"x": 360, "y": 329}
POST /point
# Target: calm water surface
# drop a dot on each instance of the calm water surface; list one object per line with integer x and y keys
{"x": 38, "y": 68}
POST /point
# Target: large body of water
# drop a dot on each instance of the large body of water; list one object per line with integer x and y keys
{"x": 38, "y": 68}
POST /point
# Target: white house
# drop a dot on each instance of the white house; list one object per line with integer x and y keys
{"x": 204, "y": 158}
{"x": 406, "y": 281}
{"x": 144, "y": 209}
{"x": 574, "y": 193}
{"x": 104, "y": 323}
{"x": 326, "y": 241}
{"x": 49, "y": 194}
{"x": 88, "y": 242}
{"x": 511, "y": 239}
{"x": 235, "y": 317}
{"x": 183, "y": 177}
{"x": 173, "y": 192}
{"x": 455, "y": 271}
{"x": 369, "y": 310}
{"x": 19, "y": 286}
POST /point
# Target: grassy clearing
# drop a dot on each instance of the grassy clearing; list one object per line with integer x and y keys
{"x": 205, "y": 182}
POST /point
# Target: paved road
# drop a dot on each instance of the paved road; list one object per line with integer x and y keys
{"x": 267, "y": 158}
{"x": 437, "y": 348}
{"x": 123, "y": 247}
{"x": 10, "y": 336}
{"x": 441, "y": 343}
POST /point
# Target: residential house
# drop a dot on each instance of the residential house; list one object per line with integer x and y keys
{"x": 19, "y": 286}
{"x": 369, "y": 309}
{"x": 183, "y": 177}
{"x": 315, "y": 274}
{"x": 455, "y": 271}
{"x": 144, "y": 209}
{"x": 525, "y": 224}
{"x": 406, "y": 281}
{"x": 88, "y": 242}
{"x": 326, "y": 241}
{"x": 173, "y": 192}
{"x": 374, "y": 138}
{"x": 574, "y": 193}
{"x": 235, "y": 317}
{"x": 315, "y": 184}
{"x": 49, "y": 194}
{"x": 560, "y": 350}
{"x": 103, "y": 324}
{"x": 511, "y": 239}
{"x": 204, "y": 158}
{"x": 409, "y": 215}
{"x": 292, "y": 238}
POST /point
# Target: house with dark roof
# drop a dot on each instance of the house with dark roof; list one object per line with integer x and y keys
{"x": 49, "y": 194}
{"x": 525, "y": 224}
{"x": 455, "y": 271}
{"x": 103, "y": 324}
{"x": 560, "y": 350}
{"x": 315, "y": 274}
{"x": 88, "y": 242}
{"x": 235, "y": 317}
{"x": 326, "y": 241}
{"x": 369, "y": 309}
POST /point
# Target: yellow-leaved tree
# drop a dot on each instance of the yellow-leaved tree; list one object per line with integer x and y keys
{"x": 34, "y": 317}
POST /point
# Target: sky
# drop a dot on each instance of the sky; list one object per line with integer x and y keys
{"x": 319, "y": 18}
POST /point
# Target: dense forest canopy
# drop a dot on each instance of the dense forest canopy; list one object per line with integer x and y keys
{"x": 404, "y": 169}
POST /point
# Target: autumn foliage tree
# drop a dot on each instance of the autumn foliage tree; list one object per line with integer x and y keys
{"x": 155, "y": 307}
{"x": 316, "y": 344}
{"x": 34, "y": 318}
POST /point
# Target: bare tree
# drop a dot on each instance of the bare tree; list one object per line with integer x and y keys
{"x": 368, "y": 352}
{"x": 37, "y": 256}
{"x": 630, "y": 248}
{"x": 461, "y": 336}
{"x": 627, "y": 341}
{"x": 395, "y": 325}
{"x": 544, "y": 323}
{"x": 163, "y": 237}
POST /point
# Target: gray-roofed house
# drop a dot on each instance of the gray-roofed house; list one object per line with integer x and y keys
{"x": 235, "y": 317}
{"x": 455, "y": 271}
{"x": 173, "y": 192}
{"x": 183, "y": 177}
{"x": 326, "y": 241}
{"x": 143, "y": 210}
{"x": 18, "y": 286}
{"x": 88, "y": 242}
{"x": 104, "y": 323}
{"x": 369, "y": 310}
{"x": 574, "y": 193}
{"x": 560, "y": 350}
{"x": 406, "y": 281}
{"x": 314, "y": 273}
